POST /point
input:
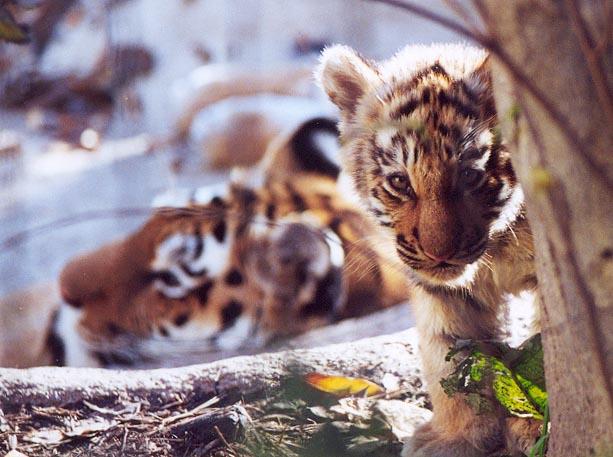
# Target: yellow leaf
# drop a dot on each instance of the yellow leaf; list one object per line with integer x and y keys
{"x": 342, "y": 386}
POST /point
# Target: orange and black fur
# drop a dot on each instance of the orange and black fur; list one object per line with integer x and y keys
{"x": 420, "y": 139}
{"x": 275, "y": 252}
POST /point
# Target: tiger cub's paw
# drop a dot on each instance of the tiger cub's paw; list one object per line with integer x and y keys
{"x": 521, "y": 434}
{"x": 427, "y": 442}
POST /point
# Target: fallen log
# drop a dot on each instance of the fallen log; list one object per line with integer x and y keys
{"x": 234, "y": 378}
{"x": 199, "y": 408}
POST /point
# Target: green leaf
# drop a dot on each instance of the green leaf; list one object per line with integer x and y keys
{"x": 479, "y": 368}
{"x": 529, "y": 361}
{"x": 469, "y": 376}
{"x": 517, "y": 379}
{"x": 536, "y": 395}
{"x": 510, "y": 395}
{"x": 479, "y": 403}
{"x": 540, "y": 447}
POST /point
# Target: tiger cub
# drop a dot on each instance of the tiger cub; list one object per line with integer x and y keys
{"x": 419, "y": 135}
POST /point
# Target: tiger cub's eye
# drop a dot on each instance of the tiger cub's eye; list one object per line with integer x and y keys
{"x": 471, "y": 177}
{"x": 399, "y": 182}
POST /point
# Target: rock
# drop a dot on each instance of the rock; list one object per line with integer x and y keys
{"x": 15, "y": 453}
{"x": 403, "y": 417}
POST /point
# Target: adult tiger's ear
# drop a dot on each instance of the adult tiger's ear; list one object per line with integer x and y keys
{"x": 83, "y": 278}
{"x": 346, "y": 77}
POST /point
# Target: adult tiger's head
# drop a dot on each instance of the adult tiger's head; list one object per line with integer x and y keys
{"x": 272, "y": 253}
{"x": 420, "y": 140}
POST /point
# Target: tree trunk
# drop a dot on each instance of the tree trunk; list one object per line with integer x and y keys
{"x": 554, "y": 102}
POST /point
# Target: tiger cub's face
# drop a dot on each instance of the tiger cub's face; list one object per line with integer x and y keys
{"x": 419, "y": 138}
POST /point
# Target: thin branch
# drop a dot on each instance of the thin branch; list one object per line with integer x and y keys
{"x": 360, "y": 247}
{"x": 481, "y": 10}
{"x": 434, "y": 17}
{"x": 22, "y": 236}
{"x": 592, "y": 58}
{"x": 463, "y": 13}
{"x": 488, "y": 42}
{"x": 556, "y": 116}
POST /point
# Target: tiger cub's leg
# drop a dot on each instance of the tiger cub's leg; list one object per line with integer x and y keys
{"x": 455, "y": 429}
{"x": 521, "y": 433}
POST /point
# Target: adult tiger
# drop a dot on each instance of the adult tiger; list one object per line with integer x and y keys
{"x": 276, "y": 251}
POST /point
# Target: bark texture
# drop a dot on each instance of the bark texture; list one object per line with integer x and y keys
{"x": 552, "y": 77}
{"x": 232, "y": 379}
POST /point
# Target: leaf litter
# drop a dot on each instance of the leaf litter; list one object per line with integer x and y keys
{"x": 299, "y": 420}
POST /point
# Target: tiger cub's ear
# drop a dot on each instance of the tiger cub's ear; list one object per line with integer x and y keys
{"x": 345, "y": 76}
{"x": 480, "y": 79}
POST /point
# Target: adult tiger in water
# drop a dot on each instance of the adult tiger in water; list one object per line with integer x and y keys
{"x": 274, "y": 252}
{"x": 421, "y": 141}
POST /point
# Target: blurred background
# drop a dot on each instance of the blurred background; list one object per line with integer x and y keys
{"x": 115, "y": 103}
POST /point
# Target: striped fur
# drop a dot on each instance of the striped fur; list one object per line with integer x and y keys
{"x": 273, "y": 253}
{"x": 420, "y": 139}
